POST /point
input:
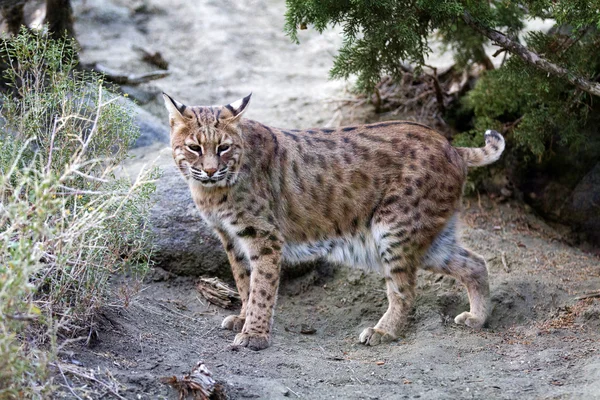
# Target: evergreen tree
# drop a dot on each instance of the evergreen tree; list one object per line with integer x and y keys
{"x": 542, "y": 96}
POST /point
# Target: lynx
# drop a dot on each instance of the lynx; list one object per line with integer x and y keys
{"x": 383, "y": 196}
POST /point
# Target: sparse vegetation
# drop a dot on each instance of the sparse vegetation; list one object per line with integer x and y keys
{"x": 67, "y": 222}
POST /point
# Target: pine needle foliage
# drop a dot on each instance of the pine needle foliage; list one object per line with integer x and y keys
{"x": 543, "y": 114}
{"x": 537, "y": 111}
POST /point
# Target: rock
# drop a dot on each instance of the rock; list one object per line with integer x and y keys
{"x": 184, "y": 244}
{"x": 152, "y": 130}
{"x": 583, "y": 207}
{"x": 139, "y": 94}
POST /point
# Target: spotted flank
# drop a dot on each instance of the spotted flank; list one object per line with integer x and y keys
{"x": 384, "y": 197}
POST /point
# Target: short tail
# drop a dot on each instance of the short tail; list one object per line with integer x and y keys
{"x": 476, "y": 157}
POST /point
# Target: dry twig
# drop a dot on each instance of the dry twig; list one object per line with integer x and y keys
{"x": 199, "y": 383}
{"x": 426, "y": 95}
{"x": 217, "y": 292}
{"x": 82, "y": 373}
{"x": 591, "y": 295}
{"x": 131, "y": 79}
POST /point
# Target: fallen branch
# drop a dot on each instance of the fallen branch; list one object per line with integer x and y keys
{"x": 124, "y": 79}
{"x": 531, "y": 57}
{"x": 439, "y": 93}
{"x": 217, "y": 292}
{"x": 199, "y": 383}
{"x": 590, "y": 295}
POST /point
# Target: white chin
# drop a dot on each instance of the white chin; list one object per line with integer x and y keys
{"x": 209, "y": 184}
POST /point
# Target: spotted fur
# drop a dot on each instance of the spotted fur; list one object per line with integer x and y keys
{"x": 383, "y": 196}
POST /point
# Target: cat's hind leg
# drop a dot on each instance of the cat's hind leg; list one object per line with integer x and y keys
{"x": 400, "y": 251}
{"x": 446, "y": 256}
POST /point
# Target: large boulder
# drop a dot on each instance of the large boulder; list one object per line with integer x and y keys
{"x": 583, "y": 207}
{"x": 152, "y": 129}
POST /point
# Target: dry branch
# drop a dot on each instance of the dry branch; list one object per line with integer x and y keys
{"x": 217, "y": 292}
{"x": 531, "y": 57}
{"x": 132, "y": 79}
{"x": 423, "y": 96}
{"x": 199, "y": 384}
{"x": 112, "y": 387}
{"x": 590, "y": 295}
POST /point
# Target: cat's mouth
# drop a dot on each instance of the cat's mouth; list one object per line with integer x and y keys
{"x": 218, "y": 179}
{"x": 209, "y": 181}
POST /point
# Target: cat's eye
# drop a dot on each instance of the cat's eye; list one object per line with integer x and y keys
{"x": 223, "y": 148}
{"x": 196, "y": 148}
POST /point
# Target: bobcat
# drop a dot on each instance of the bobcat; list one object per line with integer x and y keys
{"x": 384, "y": 196}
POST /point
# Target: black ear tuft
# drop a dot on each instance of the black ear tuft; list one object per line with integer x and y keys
{"x": 175, "y": 108}
{"x": 237, "y": 108}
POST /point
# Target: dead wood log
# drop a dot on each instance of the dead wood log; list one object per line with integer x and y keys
{"x": 154, "y": 58}
{"x": 199, "y": 384}
{"x": 217, "y": 292}
{"x": 128, "y": 79}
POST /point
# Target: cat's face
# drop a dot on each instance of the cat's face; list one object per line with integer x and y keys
{"x": 206, "y": 141}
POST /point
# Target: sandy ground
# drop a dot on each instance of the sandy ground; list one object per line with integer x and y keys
{"x": 541, "y": 342}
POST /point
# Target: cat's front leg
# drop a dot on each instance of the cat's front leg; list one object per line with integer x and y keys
{"x": 240, "y": 267}
{"x": 263, "y": 248}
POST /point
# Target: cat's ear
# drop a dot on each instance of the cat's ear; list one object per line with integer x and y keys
{"x": 175, "y": 108}
{"x": 233, "y": 111}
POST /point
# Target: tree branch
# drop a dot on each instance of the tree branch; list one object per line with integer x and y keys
{"x": 532, "y": 58}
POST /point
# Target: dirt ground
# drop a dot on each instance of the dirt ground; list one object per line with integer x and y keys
{"x": 541, "y": 341}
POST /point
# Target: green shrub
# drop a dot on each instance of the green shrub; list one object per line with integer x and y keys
{"x": 67, "y": 223}
{"x": 540, "y": 111}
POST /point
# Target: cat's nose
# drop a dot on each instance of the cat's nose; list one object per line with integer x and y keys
{"x": 210, "y": 171}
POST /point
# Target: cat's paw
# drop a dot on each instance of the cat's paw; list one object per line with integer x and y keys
{"x": 233, "y": 323}
{"x": 253, "y": 341}
{"x": 373, "y": 337}
{"x": 469, "y": 320}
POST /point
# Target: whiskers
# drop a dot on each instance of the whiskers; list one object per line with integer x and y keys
{"x": 221, "y": 177}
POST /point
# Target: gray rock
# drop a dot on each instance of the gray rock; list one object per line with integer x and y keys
{"x": 583, "y": 207}
{"x": 152, "y": 129}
